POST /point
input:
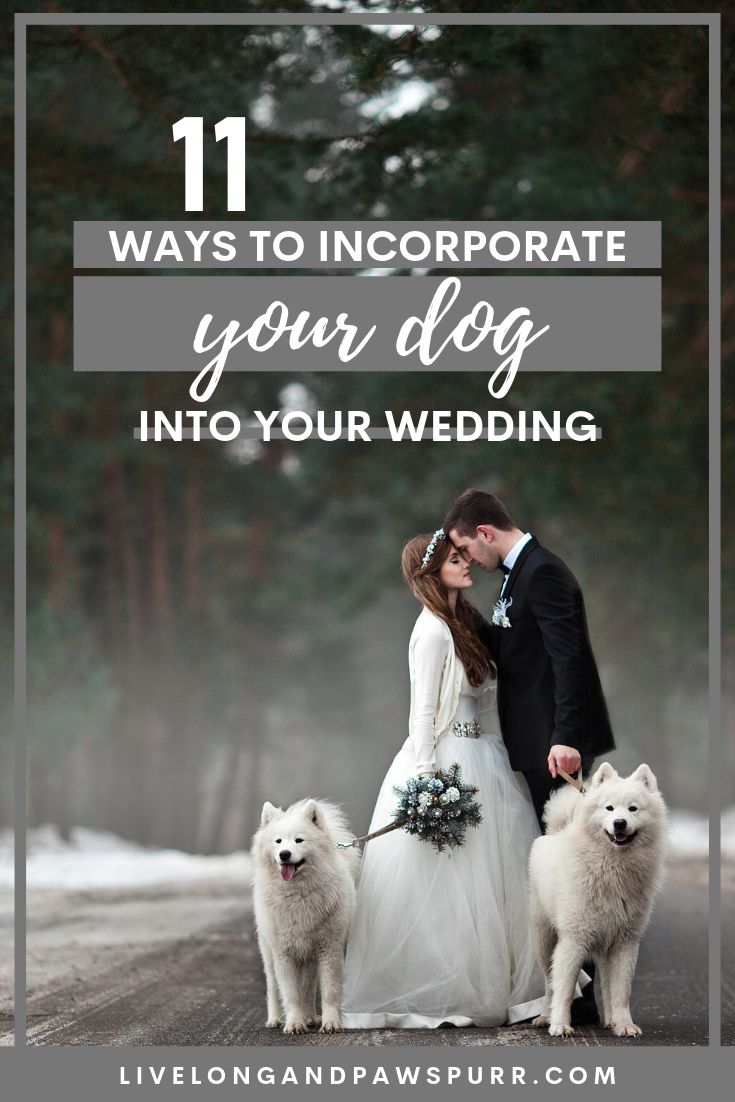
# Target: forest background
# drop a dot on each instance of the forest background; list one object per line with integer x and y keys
{"x": 211, "y": 626}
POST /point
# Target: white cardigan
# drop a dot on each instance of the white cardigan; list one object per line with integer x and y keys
{"x": 436, "y": 681}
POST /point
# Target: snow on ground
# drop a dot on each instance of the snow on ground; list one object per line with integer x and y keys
{"x": 689, "y": 833}
{"x": 96, "y": 859}
{"x": 727, "y": 835}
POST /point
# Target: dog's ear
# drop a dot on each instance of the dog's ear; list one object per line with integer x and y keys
{"x": 311, "y": 811}
{"x": 644, "y": 774}
{"x": 604, "y": 773}
{"x": 269, "y": 812}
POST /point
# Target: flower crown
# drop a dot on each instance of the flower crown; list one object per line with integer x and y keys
{"x": 440, "y": 534}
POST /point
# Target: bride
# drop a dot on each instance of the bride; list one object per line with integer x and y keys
{"x": 445, "y": 938}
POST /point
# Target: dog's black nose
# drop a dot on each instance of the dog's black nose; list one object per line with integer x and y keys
{"x": 284, "y": 855}
{"x": 619, "y": 824}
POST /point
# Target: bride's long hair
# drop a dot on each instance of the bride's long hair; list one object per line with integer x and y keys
{"x": 426, "y": 585}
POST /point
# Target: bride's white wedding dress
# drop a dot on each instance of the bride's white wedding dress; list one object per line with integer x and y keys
{"x": 446, "y": 937}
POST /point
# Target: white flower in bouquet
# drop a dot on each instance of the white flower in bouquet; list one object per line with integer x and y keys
{"x": 424, "y": 801}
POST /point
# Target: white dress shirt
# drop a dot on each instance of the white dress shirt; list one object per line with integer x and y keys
{"x": 510, "y": 558}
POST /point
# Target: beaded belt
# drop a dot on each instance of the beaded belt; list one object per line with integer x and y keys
{"x": 471, "y": 729}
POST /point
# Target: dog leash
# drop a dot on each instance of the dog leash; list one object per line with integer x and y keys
{"x": 367, "y": 837}
{"x": 572, "y": 780}
{"x": 392, "y": 826}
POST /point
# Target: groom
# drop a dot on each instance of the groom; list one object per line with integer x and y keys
{"x": 552, "y": 710}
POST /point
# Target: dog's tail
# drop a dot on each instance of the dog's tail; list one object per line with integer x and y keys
{"x": 560, "y": 808}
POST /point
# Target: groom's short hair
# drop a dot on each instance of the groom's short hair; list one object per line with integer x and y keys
{"x": 475, "y": 507}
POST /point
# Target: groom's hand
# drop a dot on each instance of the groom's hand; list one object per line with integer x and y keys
{"x": 563, "y": 757}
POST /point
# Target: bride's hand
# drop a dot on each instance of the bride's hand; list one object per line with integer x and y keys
{"x": 563, "y": 757}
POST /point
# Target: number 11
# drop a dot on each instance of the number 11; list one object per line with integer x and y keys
{"x": 232, "y": 129}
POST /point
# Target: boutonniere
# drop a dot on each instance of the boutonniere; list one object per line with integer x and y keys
{"x": 500, "y": 612}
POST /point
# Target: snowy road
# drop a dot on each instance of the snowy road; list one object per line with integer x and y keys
{"x": 124, "y": 967}
{"x": 128, "y": 945}
{"x": 178, "y": 965}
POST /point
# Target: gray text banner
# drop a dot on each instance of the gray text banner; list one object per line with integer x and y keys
{"x": 149, "y": 323}
{"x": 376, "y": 244}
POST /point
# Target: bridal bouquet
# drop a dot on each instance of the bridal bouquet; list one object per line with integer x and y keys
{"x": 436, "y": 809}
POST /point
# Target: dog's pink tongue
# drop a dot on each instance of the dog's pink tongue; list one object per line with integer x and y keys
{"x": 287, "y": 872}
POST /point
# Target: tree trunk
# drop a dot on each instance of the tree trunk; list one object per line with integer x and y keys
{"x": 227, "y": 793}
{"x": 159, "y": 584}
{"x": 129, "y": 805}
{"x": 193, "y": 541}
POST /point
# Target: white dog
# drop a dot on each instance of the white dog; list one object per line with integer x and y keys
{"x": 593, "y": 877}
{"x": 304, "y": 899}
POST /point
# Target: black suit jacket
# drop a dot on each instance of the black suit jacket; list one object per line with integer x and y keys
{"x": 549, "y": 689}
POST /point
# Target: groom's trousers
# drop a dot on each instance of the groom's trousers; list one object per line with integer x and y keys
{"x": 541, "y": 784}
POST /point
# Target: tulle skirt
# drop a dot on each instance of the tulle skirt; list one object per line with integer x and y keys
{"x": 445, "y": 937}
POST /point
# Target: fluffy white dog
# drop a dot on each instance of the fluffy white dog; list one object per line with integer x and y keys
{"x": 594, "y": 876}
{"x": 304, "y": 899}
